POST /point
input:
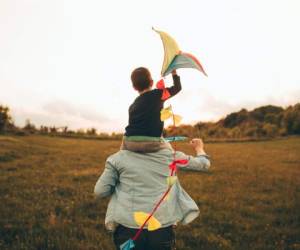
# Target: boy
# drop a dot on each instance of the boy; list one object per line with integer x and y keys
{"x": 145, "y": 125}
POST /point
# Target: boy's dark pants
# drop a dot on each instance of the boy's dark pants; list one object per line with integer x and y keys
{"x": 160, "y": 239}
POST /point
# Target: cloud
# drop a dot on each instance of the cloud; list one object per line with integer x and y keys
{"x": 61, "y": 113}
{"x": 63, "y": 108}
{"x": 206, "y": 105}
{"x": 213, "y": 109}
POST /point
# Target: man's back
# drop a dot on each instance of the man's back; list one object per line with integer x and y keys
{"x": 137, "y": 181}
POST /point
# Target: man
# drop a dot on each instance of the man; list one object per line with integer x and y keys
{"x": 136, "y": 181}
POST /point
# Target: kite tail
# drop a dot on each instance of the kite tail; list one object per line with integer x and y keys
{"x": 174, "y": 126}
{"x": 172, "y": 173}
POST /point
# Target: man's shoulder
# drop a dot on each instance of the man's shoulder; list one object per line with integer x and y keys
{"x": 114, "y": 158}
{"x": 122, "y": 154}
{"x": 118, "y": 156}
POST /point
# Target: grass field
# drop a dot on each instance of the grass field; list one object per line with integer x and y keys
{"x": 249, "y": 200}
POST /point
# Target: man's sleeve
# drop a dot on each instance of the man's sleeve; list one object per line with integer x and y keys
{"x": 176, "y": 85}
{"x": 106, "y": 183}
{"x": 197, "y": 163}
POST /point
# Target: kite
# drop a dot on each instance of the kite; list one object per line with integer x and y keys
{"x": 174, "y": 58}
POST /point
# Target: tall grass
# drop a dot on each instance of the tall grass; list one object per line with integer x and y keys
{"x": 249, "y": 200}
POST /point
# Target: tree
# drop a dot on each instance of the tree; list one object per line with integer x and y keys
{"x": 5, "y": 118}
{"x": 44, "y": 129}
{"x": 80, "y": 132}
{"x": 236, "y": 132}
{"x": 270, "y": 130}
{"x": 29, "y": 127}
{"x": 235, "y": 119}
{"x": 65, "y": 130}
{"x": 260, "y": 113}
{"x": 91, "y": 131}
{"x": 291, "y": 119}
{"x": 53, "y": 130}
{"x": 273, "y": 118}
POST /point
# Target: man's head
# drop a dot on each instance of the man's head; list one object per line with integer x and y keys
{"x": 141, "y": 79}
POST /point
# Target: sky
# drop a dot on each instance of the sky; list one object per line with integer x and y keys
{"x": 68, "y": 62}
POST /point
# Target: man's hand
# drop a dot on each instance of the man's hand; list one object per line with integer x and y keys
{"x": 198, "y": 146}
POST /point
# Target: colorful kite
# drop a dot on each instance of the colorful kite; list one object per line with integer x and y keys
{"x": 174, "y": 58}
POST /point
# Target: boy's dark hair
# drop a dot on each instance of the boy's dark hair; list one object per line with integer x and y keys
{"x": 141, "y": 78}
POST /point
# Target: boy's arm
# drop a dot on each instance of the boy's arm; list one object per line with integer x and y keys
{"x": 176, "y": 84}
{"x": 106, "y": 183}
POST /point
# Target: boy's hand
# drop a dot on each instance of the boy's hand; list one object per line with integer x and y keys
{"x": 198, "y": 146}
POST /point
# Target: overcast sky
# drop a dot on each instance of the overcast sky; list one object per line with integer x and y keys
{"x": 68, "y": 62}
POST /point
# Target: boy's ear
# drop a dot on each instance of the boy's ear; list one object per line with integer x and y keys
{"x": 135, "y": 88}
{"x": 151, "y": 83}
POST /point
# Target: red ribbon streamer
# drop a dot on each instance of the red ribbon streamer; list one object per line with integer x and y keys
{"x": 173, "y": 164}
{"x": 161, "y": 85}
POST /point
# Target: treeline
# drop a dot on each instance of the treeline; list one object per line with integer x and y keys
{"x": 263, "y": 122}
{"x": 7, "y": 126}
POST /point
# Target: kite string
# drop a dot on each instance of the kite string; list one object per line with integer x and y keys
{"x": 151, "y": 214}
{"x": 174, "y": 126}
{"x": 173, "y": 172}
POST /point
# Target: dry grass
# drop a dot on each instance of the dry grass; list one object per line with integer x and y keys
{"x": 249, "y": 200}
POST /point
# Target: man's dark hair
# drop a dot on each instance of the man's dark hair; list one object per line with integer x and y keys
{"x": 141, "y": 78}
